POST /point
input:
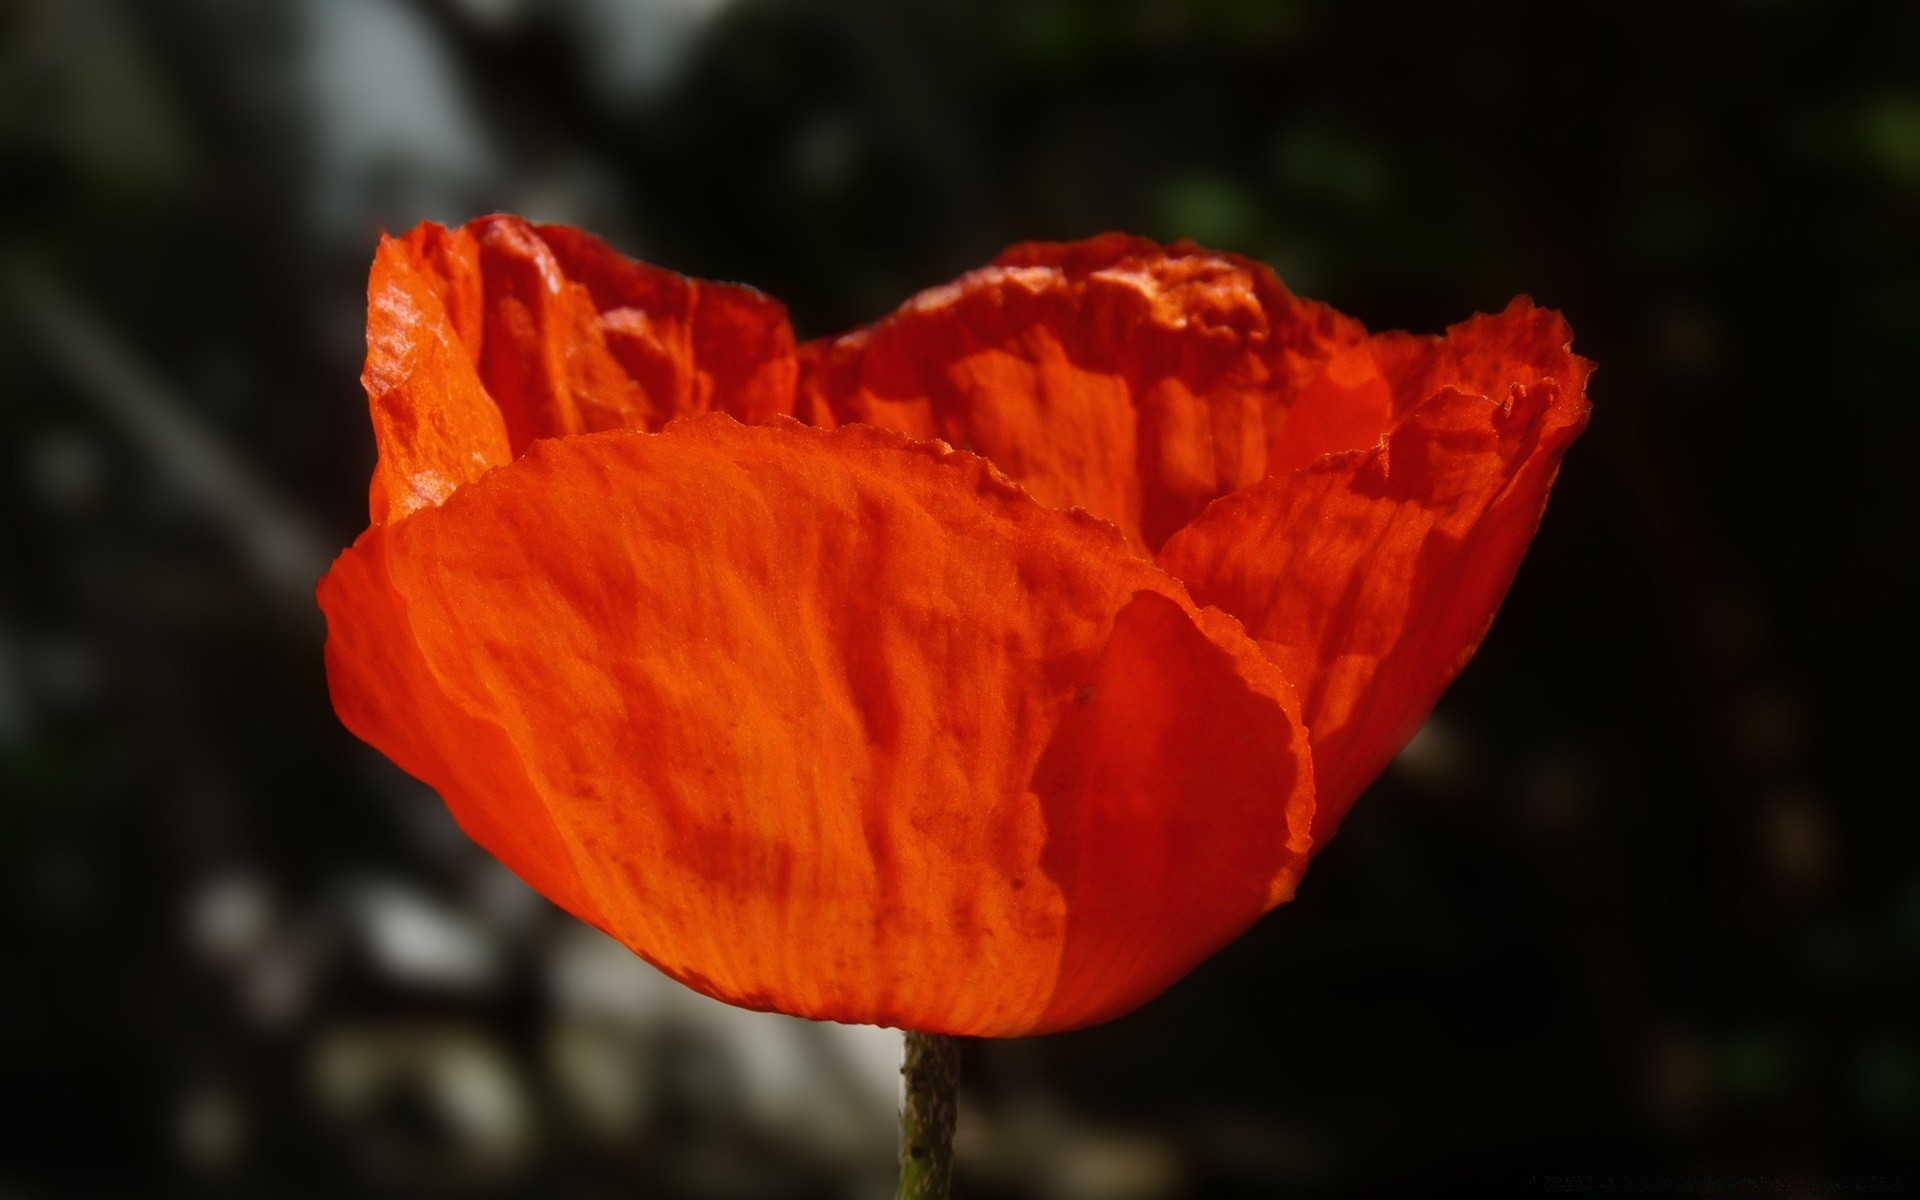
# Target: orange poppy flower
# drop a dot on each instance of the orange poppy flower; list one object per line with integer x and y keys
{"x": 722, "y": 645}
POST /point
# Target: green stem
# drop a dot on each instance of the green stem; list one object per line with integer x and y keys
{"x": 932, "y": 1070}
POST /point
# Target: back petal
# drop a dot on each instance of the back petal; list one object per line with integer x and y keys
{"x": 483, "y": 338}
{"x": 1137, "y": 381}
{"x": 434, "y": 423}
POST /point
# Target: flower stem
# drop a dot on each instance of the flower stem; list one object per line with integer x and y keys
{"x": 932, "y": 1069}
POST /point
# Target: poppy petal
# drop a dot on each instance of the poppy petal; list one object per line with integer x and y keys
{"x": 1346, "y": 405}
{"x": 1364, "y": 389}
{"x": 831, "y": 722}
{"x": 693, "y": 346}
{"x": 558, "y": 334}
{"x": 380, "y": 680}
{"x": 1486, "y": 355}
{"x": 1137, "y": 381}
{"x": 434, "y": 424}
{"x": 1371, "y": 575}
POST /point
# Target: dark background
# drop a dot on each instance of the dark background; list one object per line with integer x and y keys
{"x": 1645, "y": 895}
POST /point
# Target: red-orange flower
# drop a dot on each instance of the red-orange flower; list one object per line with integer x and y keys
{"x": 824, "y": 715}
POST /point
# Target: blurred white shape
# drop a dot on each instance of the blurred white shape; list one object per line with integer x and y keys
{"x": 599, "y": 1071}
{"x": 477, "y": 1090}
{"x": 480, "y": 1112}
{"x": 1436, "y": 757}
{"x": 1039, "y": 1148}
{"x": 414, "y": 940}
{"x": 229, "y": 918}
{"x": 572, "y": 191}
{"x": 873, "y": 1055}
{"x": 596, "y": 978}
{"x": 827, "y": 1084}
{"x": 394, "y": 131}
{"x": 274, "y": 987}
{"x": 1115, "y": 1167}
{"x": 635, "y": 48}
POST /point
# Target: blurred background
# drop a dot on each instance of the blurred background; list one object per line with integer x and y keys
{"x": 1644, "y": 895}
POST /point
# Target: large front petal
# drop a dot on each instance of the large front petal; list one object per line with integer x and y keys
{"x": 831, "y": 723}
{"x": 1372, "y": 575}
{"x": 1137, "y": 381}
